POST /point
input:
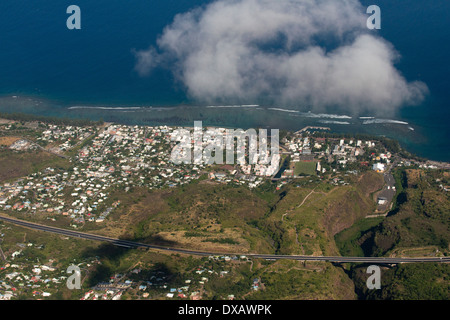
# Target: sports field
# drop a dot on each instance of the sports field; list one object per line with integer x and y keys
{"x": 305, "y": 168}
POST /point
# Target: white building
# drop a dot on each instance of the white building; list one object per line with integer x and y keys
{"x": 378, "y": 167}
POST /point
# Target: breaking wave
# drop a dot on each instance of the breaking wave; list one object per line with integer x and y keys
{"x": 235, "y": 106}
{"x": 325, "y": 115}
{"x": 109, "y": 108}
{"x": 333, "y": 122}
{"x": 381, "y": 121}
{"x": 283, "y": 110}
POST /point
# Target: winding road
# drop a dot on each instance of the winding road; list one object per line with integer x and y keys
{"x": 132, "y": 244}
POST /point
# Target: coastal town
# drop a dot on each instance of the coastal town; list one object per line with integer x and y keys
{"x": 120, "y": 157}
{"x": 103, "y": 159}
{"x": 218, "y": 158}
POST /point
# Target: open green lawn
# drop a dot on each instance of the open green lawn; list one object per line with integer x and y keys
{"x": 304, "y": 168}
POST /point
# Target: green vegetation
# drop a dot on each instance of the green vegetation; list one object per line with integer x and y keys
{"x": 305, "y": 168}
{"x": 418, "y": 281}
{"x": 18, "y": 164}
{"x": 421, "y": 218}
{"x": 314, "y": 215}
{"x": 299, "y": 281}
{"x": 354, "y": 241}
{"x": 38, "y": 248}
{"x": 25, "y": 117}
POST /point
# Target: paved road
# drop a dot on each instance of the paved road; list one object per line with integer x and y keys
{"x": 131, "y": 244}
{"x": 388, "y": 191}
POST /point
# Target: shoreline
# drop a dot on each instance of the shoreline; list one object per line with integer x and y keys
{"x": 423, "y": 141}
{"x": 15, "y": 117}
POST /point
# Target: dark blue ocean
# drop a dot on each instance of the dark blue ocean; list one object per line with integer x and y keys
{"x": 46, "y": 68}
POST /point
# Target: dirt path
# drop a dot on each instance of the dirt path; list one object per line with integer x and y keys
{"x": 306, "y": 198}
{"x": 286, "y": 213}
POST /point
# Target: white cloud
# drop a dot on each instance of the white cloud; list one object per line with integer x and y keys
{"x": 247, "y": 50}
{"x": 146, "y": 61}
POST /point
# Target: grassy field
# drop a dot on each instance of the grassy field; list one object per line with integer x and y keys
{"x": 19, "y": 164}
{"x": 8, "y": 141}
{"x": 305, "y": 168}
{"x": 203, "y": 216}
{"x": 216, "y": 217}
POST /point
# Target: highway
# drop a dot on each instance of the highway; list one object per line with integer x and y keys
{"x": 131, "y": 244}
